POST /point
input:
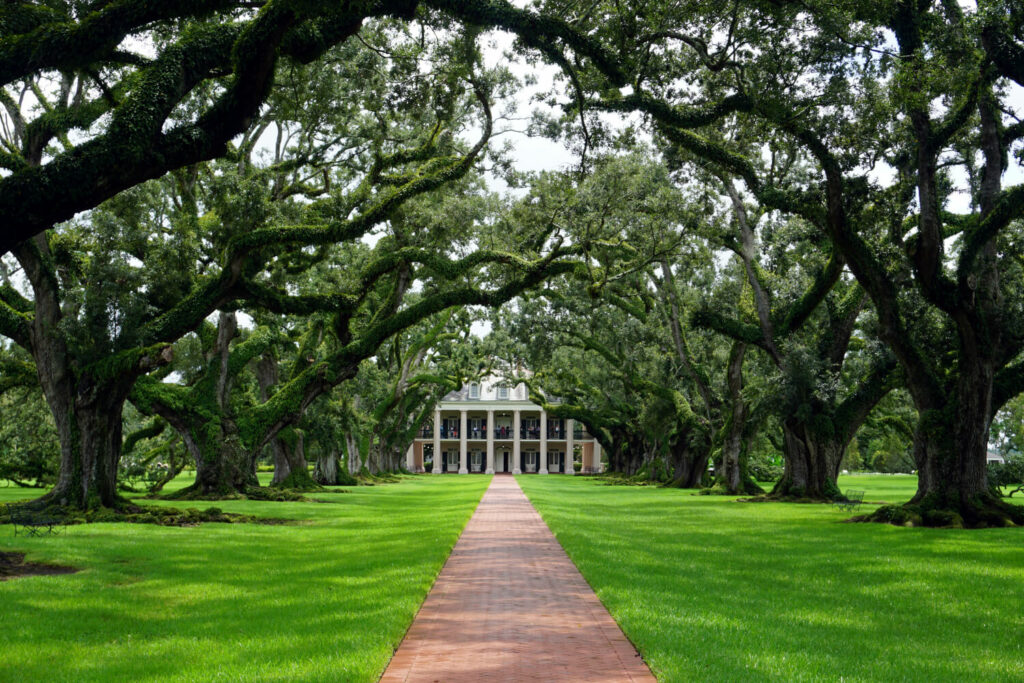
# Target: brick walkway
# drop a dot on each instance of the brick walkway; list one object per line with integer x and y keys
{"x": 509, "y": 605}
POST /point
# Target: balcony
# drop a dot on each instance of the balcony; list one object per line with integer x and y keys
{"x": 503, "y": 432}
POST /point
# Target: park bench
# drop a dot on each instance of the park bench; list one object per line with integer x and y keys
{"x": 32, "y": 521}
{"x": 852, "y": 502}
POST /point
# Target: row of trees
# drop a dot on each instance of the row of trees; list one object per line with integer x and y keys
{"x": 331, "y": 239}
{"x": 851, "y": 157}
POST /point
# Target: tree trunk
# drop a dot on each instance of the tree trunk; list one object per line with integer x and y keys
{"x": 373, "y": 457}
{"x": 688, "y": 469}
{"x": 396, "y": 459}
{"x": 623, "y": 457}
{"x": 950, "y": 450}
{"x": 89, "y": 427}
{"x": 329, "y": 472}
{"x": 352, "y": 448}
{"x": 731, "y": 476}
{"x": 291, "y": 470}
{"x": 326, "y": 470}
{"x": 86, "y": 409}
{"x": 223, "y": 466}
{"x": 225, "y": 470}
{"x": 282, "y": 467}
{"x": 811, "y": 463}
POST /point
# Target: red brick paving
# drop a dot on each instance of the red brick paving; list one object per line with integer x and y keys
{"x": 509, "y": 605}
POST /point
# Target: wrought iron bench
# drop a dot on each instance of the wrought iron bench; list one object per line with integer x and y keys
{"x": 852, "y": 502}
{"x": 32, "y": 521}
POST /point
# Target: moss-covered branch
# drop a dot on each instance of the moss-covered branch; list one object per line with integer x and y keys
{"x": 14, "y": 324}
{"x": 17, "y": 374}
{"x": 800, "y": 310}
{"x": 136, "y": 145}
{"x": 1004, "y": 51}
{"x": 598, "y": 424}
{"x": 51, "y": 41}
{"x": 534, "y": 30}
{"x": 1008, "y": 207}
{"x": 734, "y": 329}
{"x": 881, "y": 378}
{"x": 676, "y": 116}
{"x": 153, "y": 429}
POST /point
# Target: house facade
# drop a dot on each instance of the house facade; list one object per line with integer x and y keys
{"x": 489, "y": 428}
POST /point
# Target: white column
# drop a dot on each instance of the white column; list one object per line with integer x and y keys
{"x": 569, "y": 446}
{"x": 438, "y": 468}
{"x": 543, "y": 443}
{"x": 515, "y": 442}
{"x": 597, "y": 457}
{"x": 463, "y": 457}
{"x": 490, "y": 442}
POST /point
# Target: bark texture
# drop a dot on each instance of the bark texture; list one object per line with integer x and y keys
{"x": 811, "y": 462}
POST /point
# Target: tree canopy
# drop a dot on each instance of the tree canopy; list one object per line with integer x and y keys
{"x": 818, "y": 199}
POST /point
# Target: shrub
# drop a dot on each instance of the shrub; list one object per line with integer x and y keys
{"x": 1009, "y": 474}
{"x": 765, "y": 465}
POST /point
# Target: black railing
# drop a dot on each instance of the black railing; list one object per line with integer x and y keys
{"x": 453, "y": 433}
{"x": 529, "y": 433}
{"x": 504, "y": 432}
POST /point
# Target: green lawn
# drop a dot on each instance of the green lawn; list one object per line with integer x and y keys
{"x": 327, "y": 600}
{"x": 712, "y": 589}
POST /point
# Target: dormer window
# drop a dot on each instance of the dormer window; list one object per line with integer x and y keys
{"x": 502, "y": 392}
{"x": 474, "y": 390}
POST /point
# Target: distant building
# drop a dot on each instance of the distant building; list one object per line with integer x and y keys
{"x": 487, "y": 427}
{"x": 994, "y": 456}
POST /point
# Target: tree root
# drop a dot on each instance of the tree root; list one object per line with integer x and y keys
{"x": 297, "y": 481}
{"x": 130, "y": 513}
{"x": 781, "y": 498}
{"x": 264, "y": 493}
{"x": 748, "y": 487}
{"x": 933, "y": 511}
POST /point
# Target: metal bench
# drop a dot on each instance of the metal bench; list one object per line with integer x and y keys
{"x": 852, "y": 502}
{"x": 34, "y": 522}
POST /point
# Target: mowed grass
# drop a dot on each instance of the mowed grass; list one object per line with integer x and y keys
{"x": 325, "y": 600}
{"x": 709, "y": 588}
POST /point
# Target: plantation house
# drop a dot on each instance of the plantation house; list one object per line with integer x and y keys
{"x": 487, "y": 427}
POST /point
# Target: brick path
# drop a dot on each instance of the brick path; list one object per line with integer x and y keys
{"x": 509, "y": 605}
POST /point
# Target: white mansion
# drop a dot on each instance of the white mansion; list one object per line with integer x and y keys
{"x": 487, "y": 428}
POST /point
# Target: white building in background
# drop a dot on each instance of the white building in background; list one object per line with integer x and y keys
{"x": 489, "y": 428}
{"x": 995, "y": 457}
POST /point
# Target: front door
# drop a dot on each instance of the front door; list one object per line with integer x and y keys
{"x": 555, "y": 462}
{"x": 504, "y": 462}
